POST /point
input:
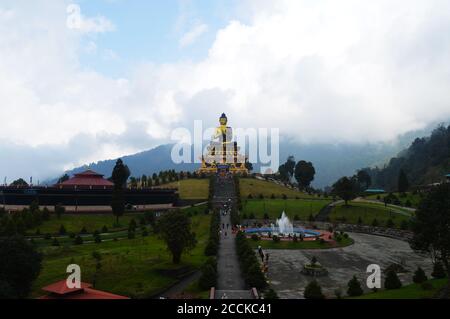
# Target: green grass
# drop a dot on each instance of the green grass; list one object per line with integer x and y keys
{"x": 274, "y": 207}
{"x": 412, "y": 291}
{"x": 367, "y": 212}
{"x": 191, "y": 188}
{"x": 92, "y": 222}
{"x": 196, "y": 292}
{"x": 136, "y": 268}
{"x": 414, "y": 199}
{"x": 256, "y": 187}
{"x": 270, "y": 244}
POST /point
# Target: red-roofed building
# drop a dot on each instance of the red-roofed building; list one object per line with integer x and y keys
{"x": 59, "y": 290}
{"x": 86, "y": 180}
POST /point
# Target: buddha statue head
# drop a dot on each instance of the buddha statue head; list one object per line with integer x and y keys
{"x": 223, "y": 119}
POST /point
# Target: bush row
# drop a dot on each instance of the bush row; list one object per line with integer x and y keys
{"x": 249, "y": 263}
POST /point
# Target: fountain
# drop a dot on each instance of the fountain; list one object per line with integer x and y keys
{"x": 283, "y": 225}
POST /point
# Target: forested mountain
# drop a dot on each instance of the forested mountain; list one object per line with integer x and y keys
{"x": 426, "y": 161}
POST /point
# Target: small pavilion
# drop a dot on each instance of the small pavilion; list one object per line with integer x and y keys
{"x": 86, "y": 180}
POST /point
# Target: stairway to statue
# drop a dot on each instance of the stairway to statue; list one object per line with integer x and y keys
{"x": 230, "y": 283}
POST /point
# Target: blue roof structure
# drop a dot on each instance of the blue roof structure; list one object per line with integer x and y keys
{"x": 375, "y": 190}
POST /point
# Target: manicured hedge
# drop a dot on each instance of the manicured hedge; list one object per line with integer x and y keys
{"x": 250, "y": 266}
{"x": 214, "y": 236}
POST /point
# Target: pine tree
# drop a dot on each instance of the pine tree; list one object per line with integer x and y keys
{"x": 392, "y": 281}
{"x": 354, "y": 287}
{"x": 419, "y": 276}
{"x": 313, "y": 291}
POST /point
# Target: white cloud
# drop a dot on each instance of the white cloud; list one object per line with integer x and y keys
{"x": 322, "y": 71}
{"x": 192, "y": 35}
{"x": 77, "y": 21}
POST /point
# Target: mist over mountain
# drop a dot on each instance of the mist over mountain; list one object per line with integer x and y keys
{"x": 425, "y": 161}
{"x": 331, "y": 161}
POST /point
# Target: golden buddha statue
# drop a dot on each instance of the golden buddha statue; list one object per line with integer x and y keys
{"x": 223, "y": 132}
{"x": 222, "y": 152}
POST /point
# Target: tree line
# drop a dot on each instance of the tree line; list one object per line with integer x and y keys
{"x": 302, "y": 172}
{"x": 424, "y": 162}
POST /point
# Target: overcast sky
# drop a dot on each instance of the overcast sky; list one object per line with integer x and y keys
{"x": 131, "y": 71}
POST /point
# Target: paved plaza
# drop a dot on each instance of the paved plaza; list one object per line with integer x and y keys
{"x": 342, "y": 263}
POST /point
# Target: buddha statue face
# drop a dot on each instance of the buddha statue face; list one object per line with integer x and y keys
{"x": 223, "y": 119}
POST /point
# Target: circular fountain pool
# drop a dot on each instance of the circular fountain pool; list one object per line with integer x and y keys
{"x": 275, "y": 231}
{"x": 283, "y": 227}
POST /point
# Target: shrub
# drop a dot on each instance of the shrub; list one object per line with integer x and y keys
{"x": 261, "y": 196}
{"x": 255, "y": 237}
{"x": 354, "y": 287}
{"x": 408, "y": 203}
{"x": 390, "y": 223}
{"x": 78, "y": 240}
{"x": 249, "y": 196}
{"x": 249, "y": 263}
{"x": 392, "y": 281}
{"x": 208, "y": 278}
{"x": 276, "y": 239}
{"x": 104, "y": 229}
{"x": 438, "y": 271}
{"x": 419, "y": 276}
{"x": 273, "y": 196}
{"x": 375, "y": 222}
{"x": 270, "y": 294}
{"x": 62, "y": 230}
{"x": 83, "y": 230}
{"x": 132, "y": 225}
{"x": 313, "y": 291}
{"x": 97, "y": 238}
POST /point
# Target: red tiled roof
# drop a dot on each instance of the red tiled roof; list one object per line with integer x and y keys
{"x": 59, "y": 290}
{"x": 87, "y": 178}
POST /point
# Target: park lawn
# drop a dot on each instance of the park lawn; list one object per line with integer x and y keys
{"x": 412, "y": 291}
{"x": 367, "y": 212}
{"x": 256, "y": 187}
{"x": 191, "y": 188}
{"x": 137, "y": 268}
{"x": 92, "y": 222}
{"x": 196, "y": 292}
{"x": 274, "y": 207}
{"x": 414, "y": 199}
{"x": 388, "y": 208}
{"x": 270, "y": 244}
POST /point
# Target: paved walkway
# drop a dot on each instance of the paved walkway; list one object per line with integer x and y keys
{"x": 230, "y": 284}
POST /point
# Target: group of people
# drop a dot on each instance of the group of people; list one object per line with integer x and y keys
{"x": 224, "y": 229}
